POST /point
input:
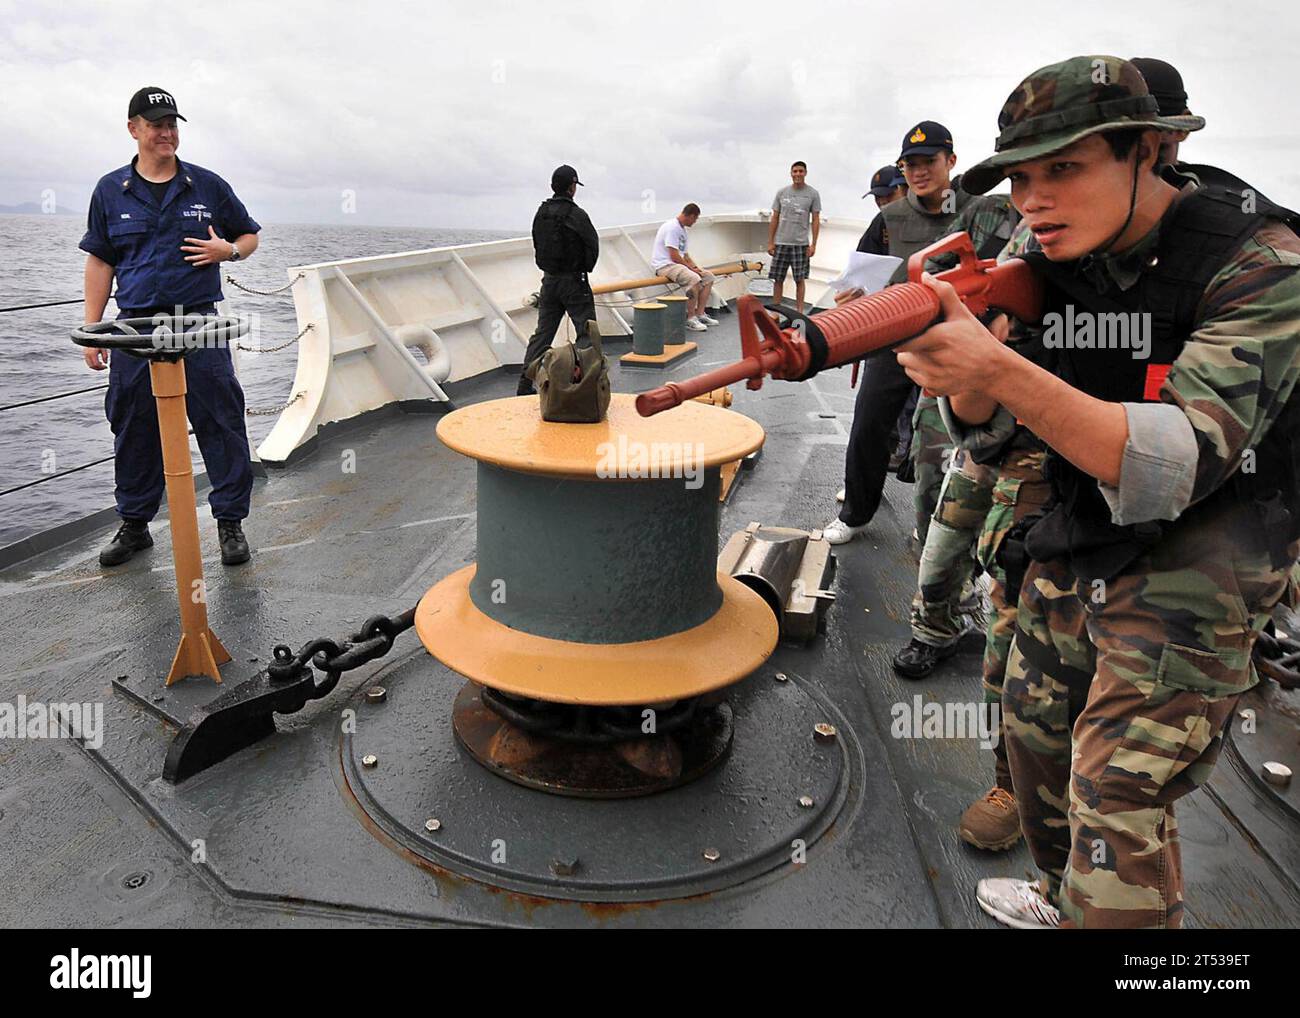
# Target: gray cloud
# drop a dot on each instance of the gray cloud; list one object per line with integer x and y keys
{"x": 438, "y": 115}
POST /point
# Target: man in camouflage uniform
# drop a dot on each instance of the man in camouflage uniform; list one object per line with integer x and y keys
{"x": 950, "y": 506}
{"x": 1176, "y": 488}
{"x": 992, "y": 822}
{"x": 990, "y": 223}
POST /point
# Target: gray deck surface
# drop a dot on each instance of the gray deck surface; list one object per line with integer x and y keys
{"x": 284, "y": 848}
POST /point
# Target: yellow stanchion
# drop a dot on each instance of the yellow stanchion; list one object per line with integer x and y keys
{"x": 199, "y": 652}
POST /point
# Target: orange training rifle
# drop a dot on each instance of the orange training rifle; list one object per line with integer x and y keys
{"x": 877, "y": 321}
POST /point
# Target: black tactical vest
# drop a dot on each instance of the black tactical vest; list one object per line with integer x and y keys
{"x": 1196, "y": 240}
{"x": 556, "y": 247}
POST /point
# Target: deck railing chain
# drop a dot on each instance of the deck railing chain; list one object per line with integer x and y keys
{"x": 267, "y": 412}
{"x": 265, "y": 293}
{"x": 272, "y": 349}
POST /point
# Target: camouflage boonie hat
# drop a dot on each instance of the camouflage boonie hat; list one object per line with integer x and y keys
{"x": 1059, "y": 104}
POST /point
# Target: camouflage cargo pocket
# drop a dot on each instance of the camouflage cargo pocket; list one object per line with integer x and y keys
{"x": 1173, "y": 739}
{"x": 998, "y": 521}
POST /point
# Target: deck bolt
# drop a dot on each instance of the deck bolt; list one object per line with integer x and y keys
{"x": 376, "y": 694}
{"x": 1277, "y": 773}
{"x": 782, "y": 677}
{"x": 712, "y": 854}
{"x": 806, "y": 801}
{"x": 565, "y": 866}
{"x": 824, "y": 732}
{"x": 433, "y": 824}
{"x": 370, "y": 760}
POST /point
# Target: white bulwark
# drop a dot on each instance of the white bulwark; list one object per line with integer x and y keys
{"x": 396, "y": 328}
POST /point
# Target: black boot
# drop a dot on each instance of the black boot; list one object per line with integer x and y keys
{"x": 131, "y": 536}
{"x": 234, "y": 546}
{"x": 917, "y": 659}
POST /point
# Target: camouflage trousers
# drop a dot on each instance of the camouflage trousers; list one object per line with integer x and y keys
{"x": 931, "y": 448}
{"x": 1114, "y": 707}
{"x": 965, "y": 497}
{"x": 1020, "y": 490}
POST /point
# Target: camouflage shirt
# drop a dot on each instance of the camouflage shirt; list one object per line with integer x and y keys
{"x": 988, "y": 219}
{"x": 1232, "y": 379}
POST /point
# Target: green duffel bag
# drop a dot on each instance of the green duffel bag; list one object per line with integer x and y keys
{"x": 573, "y": 382}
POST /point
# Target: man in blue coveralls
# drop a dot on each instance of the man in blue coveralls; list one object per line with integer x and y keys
{"x": 162, "y": 227}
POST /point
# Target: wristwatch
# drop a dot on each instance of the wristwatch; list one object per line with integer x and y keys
{"x": 234, "y": 252}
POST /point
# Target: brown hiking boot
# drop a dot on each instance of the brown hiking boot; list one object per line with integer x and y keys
{"x": 991, "y": 822}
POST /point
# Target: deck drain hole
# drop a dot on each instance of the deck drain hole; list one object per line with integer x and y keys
{"x": 135, "y": 881}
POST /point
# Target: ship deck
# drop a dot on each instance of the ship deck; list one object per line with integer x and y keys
{"x": 95, "y": 837}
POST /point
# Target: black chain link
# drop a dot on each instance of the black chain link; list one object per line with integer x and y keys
{"x": 372, "y": 641}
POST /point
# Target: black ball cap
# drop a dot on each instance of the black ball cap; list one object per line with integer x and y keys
{"x": 884, "y": 180}
{"x": 925, "y": 139}
{"x": 1165, "y": 83}
{"x": 563, "y": 177}
{"x": 152, "y": 103}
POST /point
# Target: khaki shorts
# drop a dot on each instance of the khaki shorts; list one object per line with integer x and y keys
{"x": 682, "y": 276}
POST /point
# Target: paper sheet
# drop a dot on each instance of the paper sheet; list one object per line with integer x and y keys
{"x": 868, "y": 271}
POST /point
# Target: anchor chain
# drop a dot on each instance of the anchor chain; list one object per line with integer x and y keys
{"x": 1278, "y": 657}
{"x": 372, "y": 641}
{"x": 243, "y": 715}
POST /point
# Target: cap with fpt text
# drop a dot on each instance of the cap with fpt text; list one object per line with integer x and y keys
{"x": 563, "y": 177}
{"x": 152, "y": 103}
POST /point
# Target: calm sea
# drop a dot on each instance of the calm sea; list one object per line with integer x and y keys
{"x": 39, "y": 261}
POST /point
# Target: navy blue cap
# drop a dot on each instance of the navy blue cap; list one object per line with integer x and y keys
{"x": 885, "y": 179}
{"x": 925, "y": 139}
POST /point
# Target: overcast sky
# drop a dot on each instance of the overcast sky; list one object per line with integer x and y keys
{"x": 454, "y": 114}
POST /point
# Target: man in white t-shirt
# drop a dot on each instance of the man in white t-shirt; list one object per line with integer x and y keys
{"x": 671, "y": 261}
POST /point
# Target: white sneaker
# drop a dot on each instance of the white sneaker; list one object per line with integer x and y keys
{"x": 695, "y": 325}
{"x": 1017, "y": 903}
{"x": 839, "y": 532}
{"x": 839, "y": 495}
{"x": 708, "y": 320}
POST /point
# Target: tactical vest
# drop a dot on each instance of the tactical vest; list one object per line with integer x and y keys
{"x": 909, "y": 227}
{"x": 556, "y": 247}
{"x": 1196, "y": 240}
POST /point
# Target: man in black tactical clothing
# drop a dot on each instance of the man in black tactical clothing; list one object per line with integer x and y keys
{"x": 566, "y": 248}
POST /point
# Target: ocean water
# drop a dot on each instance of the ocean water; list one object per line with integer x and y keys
{"x": 40, "y": 261}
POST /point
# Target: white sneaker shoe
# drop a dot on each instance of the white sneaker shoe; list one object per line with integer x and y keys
{"x": 695, "y": 325}
{"x": 839, "y": 532}
{"x": 708, "y": 320}
{"x": 839, "y": 495}
{"x": 1017, "y": 903}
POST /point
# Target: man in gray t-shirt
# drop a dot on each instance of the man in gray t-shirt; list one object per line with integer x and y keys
{"x": 792, "y": 237}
